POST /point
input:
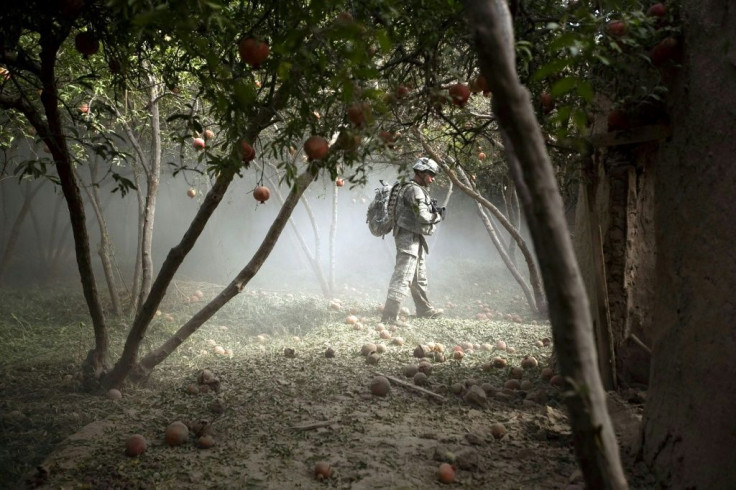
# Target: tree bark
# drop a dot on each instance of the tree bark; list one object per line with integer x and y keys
{"x": 105, "y": 250}
{"x": 595, "y": 441}
{"x": 689, "y": 436}
{"x": 52, "y": 132}
{"x": 155, "y": 357}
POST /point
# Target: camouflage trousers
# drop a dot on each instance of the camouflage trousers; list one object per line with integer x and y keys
{"x": 410, "y": 272}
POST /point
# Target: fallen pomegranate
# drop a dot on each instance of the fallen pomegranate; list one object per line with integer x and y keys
{"x": 135, "y": 445}
{"x": 322, "y": 471}
{"x": 380, "y": 386}
{"x": 176, "y": 433}
{"x": 446, "y": 473}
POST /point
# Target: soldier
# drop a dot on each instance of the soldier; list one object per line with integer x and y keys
{"x": 416, "y": 216}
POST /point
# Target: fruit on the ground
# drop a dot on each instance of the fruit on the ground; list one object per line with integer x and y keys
{"x": 459, "y": 94}
{"x": 253, "y": 51}
{"x": 198, "y": 143}
{"x": 135, "y": 445}
{"x": 516, "y": 372}
{"x": 351, "y": 320}
{"x": 114, "y": 394}
{"x": 373, "y": 358}
{"x": 367, "y": 349}
{"x": 208, "y": 134}
{"x": 206, "y": 441}
{"x": 322, "y": 470}
{"x": 176, "y": 433}
{"x": 446, "y": 473}
{"x": 330, "y": 353}
{"x": 499, "y": 362}
{"x": 385, "y": 334}
{"x": 501, "y": 345}
{"x": 339, "y": 182}
{"x": 458, "y": 354}
{"x": 380, "y": 386}
{"x": 529, "y": 362}
{"x": 420, "y": 379}
{"x": 512, "y": 384}
{"x": 261, "y": 193}
{"x": 616, "y": 28}
{"x": 546, "y": 101}
{"x": 219, "y": 350}
{"x": 657, "y": 10}
{"x": 424, "y": 367}
{"x": 86, "y": 43}
{"x": 421, "y": 351}
{"x": 191, "y": 192}
{"x": 546, "y": 373}
{"x": 557, "y": 380}
{"x": 497, "y": 430}
{"x": 397, "y": 341}
{"x": 316, "y": 147}
{"x": 666, "y": 50}
{"x": 526, "y": 385}
{"x": 410, "y": 370}
{"x": 247, "y": 150}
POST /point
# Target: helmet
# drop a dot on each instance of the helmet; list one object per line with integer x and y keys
{"x": 425, "y": 164}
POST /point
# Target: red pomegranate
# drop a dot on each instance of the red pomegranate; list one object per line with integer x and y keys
{"x": 459, "y": 94}
{"x": 261, "y": 194}
{"x": 253, "y": 52}
{"x": 316, "y": 147}
{"x": 248, "y": 152}
{"x": 86, "y": 43}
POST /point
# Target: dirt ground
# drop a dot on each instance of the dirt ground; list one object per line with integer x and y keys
{"x": 278, "y": 404}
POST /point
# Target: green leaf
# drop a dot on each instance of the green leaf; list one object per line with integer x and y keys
{"x": 563, "y": 86}
{"x": 585, "y": 90}
{"x": 551, "y": 68}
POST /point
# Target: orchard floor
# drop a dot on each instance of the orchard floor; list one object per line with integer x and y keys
{"x": 273, "y": 417}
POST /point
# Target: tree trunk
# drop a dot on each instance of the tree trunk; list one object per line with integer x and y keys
{"x": 595, "y": 441}
{"x": 155, "y": 357}
{"x": 105, "y": 250}
{"x": 53, "y": 135}
{"x": 689, "y": 436}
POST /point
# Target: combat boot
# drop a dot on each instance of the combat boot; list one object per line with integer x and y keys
{"x": 424, "y": 309}
{"x": 390, "y": 314}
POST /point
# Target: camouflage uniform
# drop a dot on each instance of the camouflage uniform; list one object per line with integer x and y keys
{"x": 414, "y": 221}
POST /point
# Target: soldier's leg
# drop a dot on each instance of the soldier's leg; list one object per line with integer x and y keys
{"x": 402, "y": 277}
{"x": 419, "y": 290}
